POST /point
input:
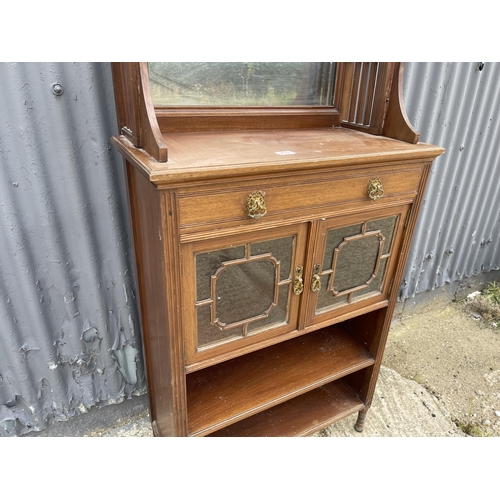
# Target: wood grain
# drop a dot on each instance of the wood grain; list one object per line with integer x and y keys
{"x": 225, "y": 119}
{"x": 236, "y": 389}
{"x": 300, "y": 416}
{"x": 218, "y": 352}
{"x": 369, "y": 90}
{"x": 380, "y": 337}
{"x": 215, "y": 156}
{"x": 164, "y": 358}
{"x": 313, "y": 316}
{"x": 397, "y": 125}
{"x": 152, "y": 139}
{"x": 310, "y": 194}
{"x": 310, "y": 370}
{"x": 135, "y": 110}
{"x": 225, "y": 150}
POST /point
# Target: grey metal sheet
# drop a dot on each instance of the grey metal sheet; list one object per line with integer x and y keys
{"x": 69, "y": 324}
{"x": 69, "y": 328}
{"x": 456, "y": 106}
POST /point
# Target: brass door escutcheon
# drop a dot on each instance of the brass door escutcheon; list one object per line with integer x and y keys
{"x": 256, "y": 205}
{"x": 375, "y": 189}
{"x": 298, "y": 283}
{"x": 316, "y": 281}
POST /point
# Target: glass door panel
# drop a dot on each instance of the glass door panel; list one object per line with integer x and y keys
{"x": 243, "y": 289}
{"x": 237, "y": 287}
{"x": 355, "y": 260}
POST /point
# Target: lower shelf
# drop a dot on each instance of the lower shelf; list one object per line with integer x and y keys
{"x": 301, "y": 416}
{"x": 223, "y": 394}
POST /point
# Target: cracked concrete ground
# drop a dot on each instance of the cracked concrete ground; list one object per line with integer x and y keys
{"x": 438, "y": 379}
{"x": 401, "y": 407}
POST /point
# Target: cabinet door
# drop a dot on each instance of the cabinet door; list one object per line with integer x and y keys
{"x": 354, "y": 262}
{"x": 241, "y": 289}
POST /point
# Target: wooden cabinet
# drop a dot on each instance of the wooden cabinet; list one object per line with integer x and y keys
{"x": 268, "y": 260}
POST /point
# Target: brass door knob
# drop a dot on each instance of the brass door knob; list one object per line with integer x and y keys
{"x": 316, "y": 280}
{"x": 375, "y": 189}
{"x": 298, "y": 283}
{"x": 256, "y": 205}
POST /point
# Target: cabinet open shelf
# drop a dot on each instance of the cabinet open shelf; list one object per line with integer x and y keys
{"x": 228, "y": 392}
{"x": 301, "y": 416}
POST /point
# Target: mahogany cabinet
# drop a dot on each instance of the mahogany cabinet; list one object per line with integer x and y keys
{"x": 270, "y": 243}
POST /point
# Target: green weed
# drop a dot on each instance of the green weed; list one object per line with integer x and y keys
{"x": 492, "y": 292}
{"x": 470, "y": 425}
{"x": 472, "y": 429}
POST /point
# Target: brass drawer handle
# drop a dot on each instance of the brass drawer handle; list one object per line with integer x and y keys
{"x": 256, "y": 205}
{"x": 316, "y": 281}
{"x": 298, "y": 284}
{"x": 375, "y": 189}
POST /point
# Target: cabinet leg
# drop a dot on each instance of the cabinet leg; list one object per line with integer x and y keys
{"x": 155, "y": 429}
{"x": 360, "y": 423}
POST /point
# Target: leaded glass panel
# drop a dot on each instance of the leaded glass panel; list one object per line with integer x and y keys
{"x": 355, "y": 262}
{"x": 243, "y": 290}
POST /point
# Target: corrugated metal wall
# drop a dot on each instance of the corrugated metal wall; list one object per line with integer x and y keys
{"x": 457, "y": 106}
{"x": 69, "y": 334}
{"x": 69, "y": 328}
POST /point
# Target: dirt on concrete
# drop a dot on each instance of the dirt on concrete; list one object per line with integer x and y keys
{"x": 400, "y": 408}
{"x": 453, "y": 350}
{"x": 440, "y": 377}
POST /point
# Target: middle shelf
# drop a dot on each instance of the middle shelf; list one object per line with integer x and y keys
{"x": 225, "y": 393}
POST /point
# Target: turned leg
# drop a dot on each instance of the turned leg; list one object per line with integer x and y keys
{"x": 361, "y": 420}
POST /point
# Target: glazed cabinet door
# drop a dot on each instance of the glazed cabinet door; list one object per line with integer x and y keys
{"x": 354, "y": 261}
{"x": 241, "y": 289}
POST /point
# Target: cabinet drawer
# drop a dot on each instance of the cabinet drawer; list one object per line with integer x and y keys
{"x": 295, "y": 197}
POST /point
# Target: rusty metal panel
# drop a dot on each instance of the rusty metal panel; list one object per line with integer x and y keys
{"x": 457, "y": 106}
{"x": 69, "y": 336}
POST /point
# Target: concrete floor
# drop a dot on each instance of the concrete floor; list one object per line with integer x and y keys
{"x": 401, "y": 408}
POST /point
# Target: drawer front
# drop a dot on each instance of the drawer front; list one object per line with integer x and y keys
{"x": 295, "y": 197}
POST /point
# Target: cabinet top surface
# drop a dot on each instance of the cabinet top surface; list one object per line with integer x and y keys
{"x": 220, "y": 154}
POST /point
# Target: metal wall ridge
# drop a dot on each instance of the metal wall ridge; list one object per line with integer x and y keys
{"x": 69, "y": 337}
{"x": 457, "y": 106}
{"x": 69, "y": 321}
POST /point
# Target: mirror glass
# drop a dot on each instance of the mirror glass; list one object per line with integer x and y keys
{"x": 242, "y": 83}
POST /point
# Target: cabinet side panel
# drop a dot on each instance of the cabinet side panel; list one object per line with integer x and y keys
{"x": 383, "y": 323}
{"x": 164, "y": 363}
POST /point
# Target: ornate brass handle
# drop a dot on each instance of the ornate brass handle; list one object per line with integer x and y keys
{"x": 316, "y": 281}
{"x": 375, "y": 189}
{"x": 256, "y": 205}
{"x": 298, "y": 284}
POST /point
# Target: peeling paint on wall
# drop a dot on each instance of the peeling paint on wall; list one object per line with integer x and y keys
{"x": 68, "y": 336}
{"x": 69, "y": 324}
